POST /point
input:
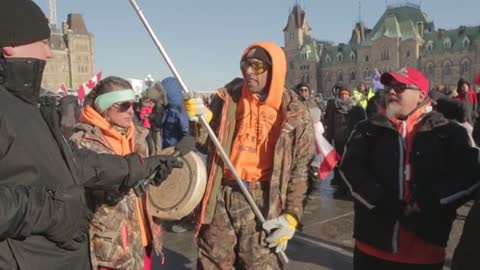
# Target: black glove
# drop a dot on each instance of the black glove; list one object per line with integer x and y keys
{"x": 165, "y": 169}
{"x": 141, "y": 169}
{"x": 65, "y": 219}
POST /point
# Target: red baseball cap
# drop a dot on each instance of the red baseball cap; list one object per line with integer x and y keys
{"x": 407, "y": 75}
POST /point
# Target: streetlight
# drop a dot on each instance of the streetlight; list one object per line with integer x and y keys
{"x": 149, "y": 81}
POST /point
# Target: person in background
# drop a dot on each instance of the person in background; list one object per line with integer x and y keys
{"x": 362, "y": 95}
{"x": 122, "y": 232}
{"x": 175, "y": 125}
{"x": 408, "y": 170}
{"x": 35, "y": 153}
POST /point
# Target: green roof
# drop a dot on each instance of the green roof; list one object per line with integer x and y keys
{"x": 345, "y": 50}
{"x": 311, "y": 51}
{"x": 397, "y": 22}
{"x": 434, "y": 42}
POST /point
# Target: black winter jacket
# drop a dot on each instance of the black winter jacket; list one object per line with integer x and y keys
{"x": 444, "y": 173}
{"x": 33, "y": 152}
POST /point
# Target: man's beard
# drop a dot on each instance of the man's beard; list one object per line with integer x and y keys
{"x": 393, "y": 110}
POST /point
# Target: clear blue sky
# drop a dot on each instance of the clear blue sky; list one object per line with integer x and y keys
{"x": 205, "y": 38}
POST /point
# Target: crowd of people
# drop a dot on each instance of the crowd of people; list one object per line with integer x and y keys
{"x": 409, "y": 161}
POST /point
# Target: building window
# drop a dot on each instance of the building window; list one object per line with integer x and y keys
{"x": 366, "y": 73}
{"x": 385, "y": 54}
{"x": 339, "y": 57}
{"x": 352, "y": 76}
{"x": 465, "y": 67}
{"x": 430, "y": 46}
{"x": 429, "y": 70}
{"x": 447, "y": 72}
{"x": 366, "y": 58}
{"x": 408, "y": 54}
{"x": 466, "y": 42}
{"x": 307, "y": 80}
{"x": 340, "y": 76}
{"x": 327, "y": 59}
{"x": 447, "y": 43}
{"x": 352, "y": 56}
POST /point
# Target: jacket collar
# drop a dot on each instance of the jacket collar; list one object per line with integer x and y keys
{"x": 22, "y": 77}
{"x": 431, "y": 120}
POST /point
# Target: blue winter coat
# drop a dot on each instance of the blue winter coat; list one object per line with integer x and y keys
{"x": 175, "y": 120}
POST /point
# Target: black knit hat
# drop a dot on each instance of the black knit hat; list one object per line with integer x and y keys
{"x": 259, "y": 53}
{"x": 22, "y": 22}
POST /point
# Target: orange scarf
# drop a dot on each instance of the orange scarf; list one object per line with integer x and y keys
{"x": 258, "y": 122}
{"x": 120, "y": 144}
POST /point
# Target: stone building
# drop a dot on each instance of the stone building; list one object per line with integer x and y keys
{"x": 73, "y": 61}
{"x": 403, "y": 36}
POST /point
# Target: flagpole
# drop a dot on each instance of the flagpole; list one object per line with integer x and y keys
{"x": 204, "y": 122}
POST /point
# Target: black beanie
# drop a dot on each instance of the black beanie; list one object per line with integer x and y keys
{"x": 259, "y": 53}
{"x": 22, "y": 22}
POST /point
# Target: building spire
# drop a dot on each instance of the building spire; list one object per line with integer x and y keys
{"x": 359, "y": 11}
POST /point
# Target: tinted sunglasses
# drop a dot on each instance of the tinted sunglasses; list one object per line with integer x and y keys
{"x": 124, "y": 106}
{"x": 400, "y": 88}
{"x": 303, "y": 90}
{"x": 258, "y": 67}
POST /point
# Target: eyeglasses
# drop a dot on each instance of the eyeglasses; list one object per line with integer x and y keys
{"x": 124, "y": 106}
{"x": 303, "y": 89}
{"x": 258, "y": 67}
{"x": 400, "y": 88}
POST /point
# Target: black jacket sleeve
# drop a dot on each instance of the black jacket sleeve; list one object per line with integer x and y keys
{"x": 100, "y": 171}
{"x": 456, "y": 188}
{"x": 21, "y": 209}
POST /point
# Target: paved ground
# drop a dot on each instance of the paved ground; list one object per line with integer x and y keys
{"x": 325, "y": 241}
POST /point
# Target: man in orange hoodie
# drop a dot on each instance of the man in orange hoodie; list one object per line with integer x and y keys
{"x": 268, "y": 134}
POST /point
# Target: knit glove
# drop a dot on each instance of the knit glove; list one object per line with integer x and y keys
{"x": 280, "y": 229}
{"x": 196, "y": 107}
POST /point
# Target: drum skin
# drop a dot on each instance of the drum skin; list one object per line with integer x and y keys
{"x": 181, "y": 192}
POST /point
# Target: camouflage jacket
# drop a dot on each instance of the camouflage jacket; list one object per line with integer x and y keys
{"x": 115, "y": 239}
{"x": 288, "y": 183}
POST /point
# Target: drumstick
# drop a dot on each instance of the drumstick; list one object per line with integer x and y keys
{"x": 203, "y": 121}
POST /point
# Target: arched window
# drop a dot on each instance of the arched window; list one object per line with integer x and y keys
{"x": 307, "y": 78}
{"x": 366, "y": 58}
{"x": 366, "y": 73}
{"x": 447, "y": 72}
{"x": 339, "y": 57}
{"x": 328, "y": 77}
{"x": 465, "y": 67}
{"x": 328, "y": 59}
{"x": 340, "y": 76}
{"x": 352, "y": 76}
{"x": 466, "y": 42}
{"x": 429, "y": 71}
{"x": 447, "y": 43}
{"x": 352, "y": 56}
{"x": 385, "y": 53}
{"x": 430, "y": 46}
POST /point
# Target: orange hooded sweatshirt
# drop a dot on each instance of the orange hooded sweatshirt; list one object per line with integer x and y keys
{"x": 122, "y": 145}
{"x": 258, "y": 122}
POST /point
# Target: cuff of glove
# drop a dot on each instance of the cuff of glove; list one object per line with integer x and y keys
{"x": 292, "y": 221}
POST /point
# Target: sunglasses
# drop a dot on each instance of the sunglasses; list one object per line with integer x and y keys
{"x": 258, "y": 67}
{"x": 303, "y": 89}
{"x": 400, "y": 88}
{"x": 124, "y": 106}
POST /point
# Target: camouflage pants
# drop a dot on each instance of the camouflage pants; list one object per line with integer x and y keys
{"x": 234, "y": 239}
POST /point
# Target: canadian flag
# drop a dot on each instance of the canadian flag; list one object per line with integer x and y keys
{"x": 326, "y": 158}
{"x": 86, "y": 87}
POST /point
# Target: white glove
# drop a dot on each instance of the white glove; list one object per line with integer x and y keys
{"x": 284, "y": 228}
{"x": 195, "y": 107}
